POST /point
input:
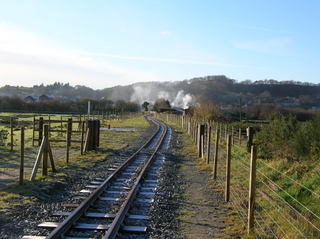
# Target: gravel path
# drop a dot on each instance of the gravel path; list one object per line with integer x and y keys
{"x": 198, "y": 204}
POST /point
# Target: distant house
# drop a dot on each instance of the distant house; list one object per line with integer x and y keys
{"x": 44, "y": 97}
{"x": 30, "y": 98}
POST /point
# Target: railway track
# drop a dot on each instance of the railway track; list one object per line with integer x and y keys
{"x": 117, "y": 206}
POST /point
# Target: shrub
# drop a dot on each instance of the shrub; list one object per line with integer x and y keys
{"x": 306, "y": 143}
{"x": 275, "y": 139}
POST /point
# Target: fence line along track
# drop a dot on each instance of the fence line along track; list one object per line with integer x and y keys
{"x": 276, "y": 210}
{"x": 117, "y": 192}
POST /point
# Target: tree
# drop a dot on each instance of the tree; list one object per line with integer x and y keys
{"x": 145, "y": 105}
{"x": 207, "y": 110}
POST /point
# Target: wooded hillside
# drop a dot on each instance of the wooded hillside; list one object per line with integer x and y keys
{"x": 220, "y": 89}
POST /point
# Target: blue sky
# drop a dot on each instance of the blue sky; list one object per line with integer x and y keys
{"x": 106, "y": 43}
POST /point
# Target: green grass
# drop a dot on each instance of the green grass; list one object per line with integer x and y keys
{"x": 292, "y": 177}
{"x": 136, "y": 122}
{"x": 13, "y": 194}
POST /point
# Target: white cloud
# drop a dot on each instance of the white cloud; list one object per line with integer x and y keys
{"x": 259, "y": 28}
{"x": 162, "y": 59}
{"x": 164, "y": 32}
{"x": 271, "y": 46}
{"x": 28, "y": 59}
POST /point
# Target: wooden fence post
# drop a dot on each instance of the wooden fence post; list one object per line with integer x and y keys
{"x": 51, "y": 157}
{"x": 200, "y": 140}
{"x": 21, "y": 175}
{"x": 240, "y": 136}
{"x": 70, "y": 129}
{"x": 94, "y": 134}
{"x": 250, "y": 138}
{"x": 232, "y": 135}
{"x": 252, "y": 189}
{"x": 208, "y": 143}
{"x": 33, "y": 129}
{"x": 228, "y": 167}
{"x": 226, "y": 135}
{"x": 82, "y": 137}
{"x": 11, "y": 134}
{"x": 216, "y": 149}
{"x": 61, "y": 124}
{"x": 196, "y": 126}
{"x": 90, "y": 135}
{"x": 45, "y": 150}
{"x": 37, "y": 162}
{"x": 40, "y": 130}
{"x": 68, "y": 139}
{"x": 86, "y": 141}
{"x": 195, "y": 132}
{"x": 98, "y": 133}
{"x": 80, "y": 122}
{"x": 49, "y": 119}
{"x": 192, "y": 131}
{"x": 182, "y": 122}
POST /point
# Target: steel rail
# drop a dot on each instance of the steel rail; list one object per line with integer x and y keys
{"x": 116, "y": 224}
{"x": 66, "y": 224}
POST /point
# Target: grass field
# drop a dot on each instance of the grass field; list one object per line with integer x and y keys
{"x": 11, "y": 193}
{"x": 10, "y": 161}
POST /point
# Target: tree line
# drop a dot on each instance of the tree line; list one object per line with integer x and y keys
{"x": 77, "y": 106}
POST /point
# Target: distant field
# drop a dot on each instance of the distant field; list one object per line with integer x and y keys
{"x": 10, "y": 161}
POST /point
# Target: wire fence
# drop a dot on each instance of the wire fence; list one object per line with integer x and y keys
{"x": 278, "y": 213}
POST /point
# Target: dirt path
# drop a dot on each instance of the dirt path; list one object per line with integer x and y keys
{"x": 202, "y": 212}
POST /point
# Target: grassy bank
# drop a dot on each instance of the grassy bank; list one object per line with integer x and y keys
{"x": 287, "y": 194}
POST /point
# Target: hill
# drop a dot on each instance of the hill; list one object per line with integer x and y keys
{"x": 220, "y": 89}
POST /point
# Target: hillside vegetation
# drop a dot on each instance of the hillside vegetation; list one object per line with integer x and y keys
{"x": 221, "y": 90}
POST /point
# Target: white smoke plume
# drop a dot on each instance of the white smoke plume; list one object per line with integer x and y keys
{"x": 164, "y": 95}
{"x": 182, "y": 100}
{"x": 141, "y": 94}
{"x": 151, "y": 93}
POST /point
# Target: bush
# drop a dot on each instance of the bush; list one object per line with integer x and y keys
{"x": 276, "y": 138}
{"x": 306, "y": 143}
{"x": 285, "y": 137}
